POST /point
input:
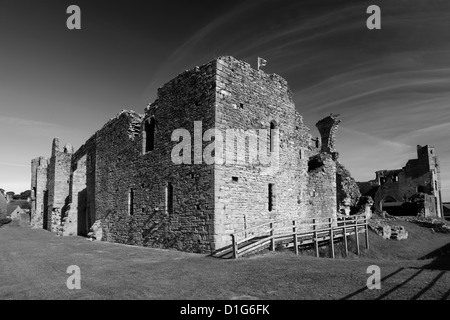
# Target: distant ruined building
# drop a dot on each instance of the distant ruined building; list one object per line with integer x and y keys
{"x": 413, "y": 190}
{"x": 124, "y": 179}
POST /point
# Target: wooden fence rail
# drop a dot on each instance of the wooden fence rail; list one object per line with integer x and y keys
{"x": 300, "y": 232}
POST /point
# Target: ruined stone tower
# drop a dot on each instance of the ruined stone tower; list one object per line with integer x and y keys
{"x": 58, "y": 184}
{"x": 39, "y": 194}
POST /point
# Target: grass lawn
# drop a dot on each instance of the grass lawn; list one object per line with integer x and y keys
{"x": 33, "y": 265}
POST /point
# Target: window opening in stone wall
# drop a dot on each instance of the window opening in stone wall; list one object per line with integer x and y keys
{"x": 241, "y": 105}
{"x": 35, "y": 198}
{"x": 395, "y": 178}
{"x": 272, "y": 136}
{"x": 169, "y": 198}
{"x": 150, "y": 135}
{"x": 131, "y": 202}
{"x": 235, "y": 179}
{"x": 271, "y": 196}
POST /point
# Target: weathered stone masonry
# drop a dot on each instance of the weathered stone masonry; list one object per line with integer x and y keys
{"x": 3, "y": 205}
{"x": 124, "y": 176}
{"x": 416, "y": 187}
{"x": 39, "y": 193}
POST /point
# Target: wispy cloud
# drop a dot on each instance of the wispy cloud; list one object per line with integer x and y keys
{"x": 36, "y": 128}
{"x": 25, "y": 122}
{"x": 10, "y": 164}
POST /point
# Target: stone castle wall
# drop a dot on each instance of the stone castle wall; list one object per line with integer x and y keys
{"x": 3, "y": 206}
{"x": 39, "y": 194}
{"x": 247, "y": 99}
{"x": 125, "y": 178}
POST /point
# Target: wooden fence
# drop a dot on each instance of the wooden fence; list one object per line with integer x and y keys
{"x": 299, "y": 233}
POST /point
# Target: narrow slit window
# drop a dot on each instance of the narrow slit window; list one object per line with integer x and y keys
{"x": 271, "y": 196}
{"x": 150, "y": 135}
{"x": 272, "y": 136}
{"x": 169, "y": 198}
{"x": 35, "y": 198}
{"x": 131, "y": 202}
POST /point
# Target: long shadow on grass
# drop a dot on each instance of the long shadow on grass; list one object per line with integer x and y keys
{"x": 397, "y": 287}
{"x": 429, "y": 286}
{"x": 446, "y": 295}
{"x": 365, "y": 288}
{"x": 441, "y": 262}
{"x": 441, "y": 258}
{"x": 384, "y": 295}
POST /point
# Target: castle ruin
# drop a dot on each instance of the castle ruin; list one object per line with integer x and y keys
{"x": 413, "y": 190}
{"x": 125, "y": 180}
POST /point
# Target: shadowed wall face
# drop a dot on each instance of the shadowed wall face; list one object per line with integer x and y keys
{"x": 39, "y": 170}
{"x": 3, "y": 206}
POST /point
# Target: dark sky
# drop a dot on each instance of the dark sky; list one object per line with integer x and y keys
{"x": 391, "y": 86}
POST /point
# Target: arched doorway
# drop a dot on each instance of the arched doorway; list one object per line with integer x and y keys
{"x": 391, "y": 205}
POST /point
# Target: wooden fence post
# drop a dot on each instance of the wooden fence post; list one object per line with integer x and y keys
{"x": 331, "y": 237}
{"x": 316, "y": 242}
{"x": 345, "y": 237}
{"x": 367, "y": 233}
{"x": 294, "y": 229}
{"x": 235, "y": 247}
{"x": 272, "y": 242}
{"x": 357, "y": 237}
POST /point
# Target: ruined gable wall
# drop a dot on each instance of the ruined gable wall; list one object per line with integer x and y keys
{"x": 38, "y": 191}
{"x": 264, "y": 98}
{"x": 121, "y": 166}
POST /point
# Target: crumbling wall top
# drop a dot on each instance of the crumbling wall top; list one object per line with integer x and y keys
{"x": 328, "y": 128}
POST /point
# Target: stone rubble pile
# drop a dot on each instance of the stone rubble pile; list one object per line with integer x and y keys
{"x": 436, "y": 225}
{"x": 96, "y": 231}
{"x": 387, "y": 230}
{"x": 399, "y": 233}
